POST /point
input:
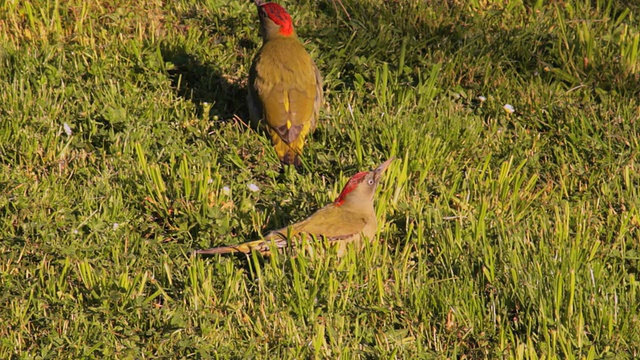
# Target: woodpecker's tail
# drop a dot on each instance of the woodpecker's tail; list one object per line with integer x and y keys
{"x": 262, "y": 246}
{"x": 289, "y": 144}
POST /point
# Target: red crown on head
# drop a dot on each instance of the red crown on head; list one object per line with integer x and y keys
{"x": 351, "y": 184}
{"x": 278, "y": 15}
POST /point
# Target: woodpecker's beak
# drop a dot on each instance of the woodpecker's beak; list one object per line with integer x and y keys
{"x": 380, "y": 169}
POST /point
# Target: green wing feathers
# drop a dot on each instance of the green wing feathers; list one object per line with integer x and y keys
{"x": 332, "y": 223}
{"x": 285, "y": 94}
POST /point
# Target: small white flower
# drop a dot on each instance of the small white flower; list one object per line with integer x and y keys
{"x": 115, "y": 226}
{"x": 226, "y": 190}
{"x": 253, "y": 187}
{"x": 209, "y": 181}
{"x": 508, "y": 108}
{"x": 482, "y": 98}
{"x": 75, "y": 231}
{"x": 67, "y": 129}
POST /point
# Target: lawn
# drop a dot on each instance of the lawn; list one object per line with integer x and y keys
{"x": 509, "y": 226}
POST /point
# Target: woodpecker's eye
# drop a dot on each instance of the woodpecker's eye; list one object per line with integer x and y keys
{"x": 370, "y": 182}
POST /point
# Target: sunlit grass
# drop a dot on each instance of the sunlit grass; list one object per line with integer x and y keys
{"x": 508, "y": 226}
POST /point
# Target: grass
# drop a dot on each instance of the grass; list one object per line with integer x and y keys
{"x": 502, "y": 235}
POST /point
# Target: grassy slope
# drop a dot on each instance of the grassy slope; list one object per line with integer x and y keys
{"x": 502, "y": 235}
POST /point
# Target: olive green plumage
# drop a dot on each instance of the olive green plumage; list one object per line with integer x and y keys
{"x": 350, "y": 219}
{"x": 285, "y": 86}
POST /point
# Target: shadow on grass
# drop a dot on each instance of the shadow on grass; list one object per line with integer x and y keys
{"x": 445, "y": 32}
{"x": 203, "y": 83}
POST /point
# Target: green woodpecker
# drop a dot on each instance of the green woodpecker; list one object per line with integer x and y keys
{"x": 285, "y": 86}
{"x": 351, "y": 218}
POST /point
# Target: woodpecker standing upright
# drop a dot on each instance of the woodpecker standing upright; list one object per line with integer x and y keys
{"x": 285, "y": 86}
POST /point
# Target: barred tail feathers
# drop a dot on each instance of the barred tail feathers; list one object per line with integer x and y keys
{"x": 289, "y": 144}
